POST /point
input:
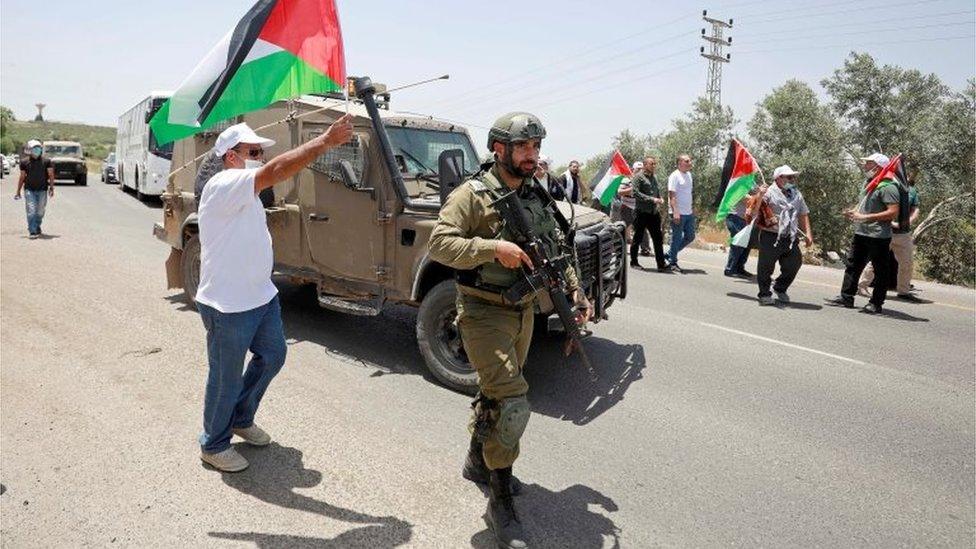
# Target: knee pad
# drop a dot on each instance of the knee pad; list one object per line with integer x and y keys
{"x": 513, "y": 416}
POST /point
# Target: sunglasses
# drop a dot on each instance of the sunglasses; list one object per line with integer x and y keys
{"x": 253, "y": 153}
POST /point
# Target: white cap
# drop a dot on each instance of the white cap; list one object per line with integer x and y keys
{"x": 33, "y": 143}
{"x": 877, "y": 158}
{"x": 637, "y": 166}
{"x": 784, "y": 170}
{"x": 239, "y": 133}
{"x": 544, "y": 160}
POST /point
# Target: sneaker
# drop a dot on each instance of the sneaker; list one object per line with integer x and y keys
{"x": 871, "y": 309}
{"x": 254, "y": 435}
{"x": 911, "y": 298}
{"x": 730, "y": 274}
{"x": 664, "y": 269}
{"x": 766, "y": 300}
{"x": 744, "y": 274}
{"x": 33, "y": 236}
{"x": 228, "y": 461}
{"x": 783, "y": 298}
{"x": 840, "y": 301}
{"x": 635, "y": 265}
{"x": 645, "y": 253}
{"x": 674, "y": 268}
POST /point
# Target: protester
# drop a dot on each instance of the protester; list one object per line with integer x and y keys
{"x": 872, "y": 236}
{"x": 682, "y": 211}
{"x": 547, "y": 181}
{"x": 735, "y": 221}
{"x": 576, "y": 190}
{"x": 647, "y": 196}
{"x": 903, "y": 248}
{"x": 779, "y": 212}
{"x": 37, "y": 183}
{"x": 237, "y": 301}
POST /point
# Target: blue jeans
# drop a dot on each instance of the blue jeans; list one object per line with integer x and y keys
{"x": 737, "y": 254}
{"x": 232, "y": 398}
{"x": 682, "y": 234}
{"x": 35, "y": 202}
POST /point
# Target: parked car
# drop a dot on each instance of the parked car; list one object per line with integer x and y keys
{"x": 67, "y": 160}
{"x": 4, "y": 164}
{"x": 109, "y": 173}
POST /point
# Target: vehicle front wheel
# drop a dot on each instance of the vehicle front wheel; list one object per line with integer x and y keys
{"x": 190, "y": 269}
{"x": 81, "y": 179}
{"x": 440, "y": 339}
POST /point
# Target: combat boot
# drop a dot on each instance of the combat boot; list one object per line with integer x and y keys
{"x": 501, "y": 516}
{"x": 476, "y": 470}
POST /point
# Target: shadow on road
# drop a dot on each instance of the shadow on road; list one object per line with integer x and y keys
{"x": 798, "y": 305}
{"x": 275, "y": 472}
{"x": 561, "y": 519}
{"x": 560, "y": 387}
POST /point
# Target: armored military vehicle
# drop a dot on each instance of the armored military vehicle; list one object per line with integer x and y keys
{"x": 357, "y": 221}
{"x": 67, "y": 160}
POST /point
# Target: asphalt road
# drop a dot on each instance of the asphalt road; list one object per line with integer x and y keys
{"x": 714, "y": 422}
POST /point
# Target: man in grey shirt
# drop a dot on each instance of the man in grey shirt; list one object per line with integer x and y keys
{"x": 872, "y": 236}
{"x": 780, "y": 213}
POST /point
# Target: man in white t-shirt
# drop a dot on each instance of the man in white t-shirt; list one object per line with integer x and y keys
{"x": 237, "y": 301}
{"x": 682, "y": 213}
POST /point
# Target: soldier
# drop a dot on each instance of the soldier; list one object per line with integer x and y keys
{"x": 471, "y": 238}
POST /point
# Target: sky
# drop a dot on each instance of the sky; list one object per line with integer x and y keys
{"x": 587, "y": 69}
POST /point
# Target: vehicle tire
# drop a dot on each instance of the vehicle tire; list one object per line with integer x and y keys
{"x": 190, "y": 269}
{"x": 81, "y": 179}
{"x": 103, "y": 177}
{"x": 440, "y": 340}
{"x": 141, "y": 197}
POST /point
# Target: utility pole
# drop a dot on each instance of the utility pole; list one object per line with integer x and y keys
{"x": 716, "y": 57}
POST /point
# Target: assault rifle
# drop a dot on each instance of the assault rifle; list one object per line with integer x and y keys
{"x": 548, "y": 273}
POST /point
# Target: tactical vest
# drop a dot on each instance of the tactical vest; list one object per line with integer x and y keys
{"x": 493, "y": 276}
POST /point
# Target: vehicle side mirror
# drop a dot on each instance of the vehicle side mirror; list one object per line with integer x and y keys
{"x": 347, "y": 173}
{"x": 450, "y": 171}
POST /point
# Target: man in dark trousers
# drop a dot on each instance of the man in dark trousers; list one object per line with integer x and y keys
{"x": 647, "y": 197}
{"x": 37, "y": 182}
{"x": 872, "y": 236}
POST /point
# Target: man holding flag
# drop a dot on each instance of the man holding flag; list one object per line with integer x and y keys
{"x": 878, "y": 206}
{"x": 738, "y": 181}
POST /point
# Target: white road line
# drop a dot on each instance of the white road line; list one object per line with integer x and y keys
{"x": 783, "y": 343}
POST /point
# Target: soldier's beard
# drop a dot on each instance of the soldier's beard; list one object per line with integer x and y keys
{"x": 508, "y": 164}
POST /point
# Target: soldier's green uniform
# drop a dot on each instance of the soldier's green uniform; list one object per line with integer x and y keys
{"x": 495, "y": 334}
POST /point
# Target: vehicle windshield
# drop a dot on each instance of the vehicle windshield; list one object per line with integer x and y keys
{"x": 417, "y": 150}
{"x": 165, "y": 151}
{"x": 63, "y": 150}
{"x": 110, "y": 159}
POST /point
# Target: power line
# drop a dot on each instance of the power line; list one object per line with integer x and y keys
{"x": 831, "y": 35}
{"x": 883, "y": 7}
{"x": 546, "y": 77}
{"x": 823, "y": 47}
{"x": 583, "y": 53}
{"x": 890, "y": 20}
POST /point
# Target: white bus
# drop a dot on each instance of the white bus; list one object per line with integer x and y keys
{"x": 142, "y": 165}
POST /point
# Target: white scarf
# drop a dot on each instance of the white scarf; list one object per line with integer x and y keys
{"x": 786, "y": 224}
{"x": 570, "y": 185}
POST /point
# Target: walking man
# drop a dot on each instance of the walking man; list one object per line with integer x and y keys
{"x": 780, "y": 212}
{"x": 682, "y": 212}
{"x": 647, "y": 196}
{"x": 496, "y": 333}
{"x": 903, "y": 248}
{"x": 37, "y": 182}
{"x": 237, "y": 301}
{"x": 735, "y": 221}
{"x": 872, "y": 236}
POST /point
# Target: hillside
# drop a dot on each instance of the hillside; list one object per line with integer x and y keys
{"x": 97, "y": 141}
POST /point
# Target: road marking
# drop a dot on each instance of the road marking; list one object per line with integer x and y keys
{"x": 784, "y": 343}
{"x": 837, "y": 287}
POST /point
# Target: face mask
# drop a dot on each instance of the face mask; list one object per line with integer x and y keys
{"x": 789, "y": 187}
{"x": 252, "y": 164}
{"x": 36, "y": 151}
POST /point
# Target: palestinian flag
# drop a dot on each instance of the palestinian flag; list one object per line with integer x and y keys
{"x": 738, "y": 178}
{"x": 280, "y": 49}
{"x": 616, "y": 172}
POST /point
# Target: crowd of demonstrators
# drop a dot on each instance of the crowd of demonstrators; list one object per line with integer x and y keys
{"x": 872, "y": 219}
{"x": 736, "y": 221}
{"x": 782, "y": 217}
{"x": 902, "y": 250}
{"x": 646, "y": 194}
{"x": 37, "y": 183}
{"x": 681, "y": 208}
{"x": 237, "y": 301}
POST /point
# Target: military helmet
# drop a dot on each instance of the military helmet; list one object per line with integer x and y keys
{"x": 516, "y": 127}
